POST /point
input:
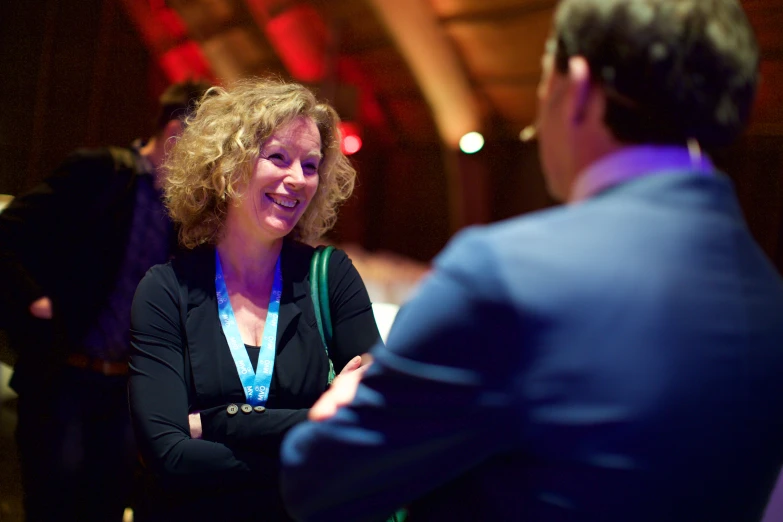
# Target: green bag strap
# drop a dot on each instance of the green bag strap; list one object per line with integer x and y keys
{"x": 319, "y": 293}
{"x": 399, "y": 516}
{"x": 314, "y": 292}
{"x": 323, "y": 293}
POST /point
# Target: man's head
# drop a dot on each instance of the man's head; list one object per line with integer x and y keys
{"x": 177, "y": 102}
{"x": 175, "y": 105}
{"x": 621, "y": 72}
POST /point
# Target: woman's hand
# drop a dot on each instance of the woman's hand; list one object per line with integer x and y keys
{"x": 342, "y": 390}
{"x": 194, "y": 419}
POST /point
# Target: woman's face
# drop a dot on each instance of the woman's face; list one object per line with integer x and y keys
{"x": 283, "y": 183}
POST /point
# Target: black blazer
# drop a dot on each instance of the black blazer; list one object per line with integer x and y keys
{"x": 64, "y": 239}
{"x": 181, "y": 363}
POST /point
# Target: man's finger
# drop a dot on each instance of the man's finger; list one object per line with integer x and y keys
{"x": 342, "y": 392}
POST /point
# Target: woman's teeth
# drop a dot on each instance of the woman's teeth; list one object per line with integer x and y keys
{"x": 284, "y": 202}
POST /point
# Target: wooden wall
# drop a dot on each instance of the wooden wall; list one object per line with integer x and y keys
{"x": 75, "y": 74}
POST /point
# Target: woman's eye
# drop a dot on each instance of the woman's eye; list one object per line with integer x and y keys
{"x": 311, "y": 167}
{"x": 275, "y": 156}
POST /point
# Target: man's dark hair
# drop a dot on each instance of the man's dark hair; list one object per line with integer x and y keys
{"x": 672, "y": 69}
{"x": 179, "y": 100}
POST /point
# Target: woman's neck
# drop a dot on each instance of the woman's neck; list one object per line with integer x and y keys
{"x": 248, "y": 264}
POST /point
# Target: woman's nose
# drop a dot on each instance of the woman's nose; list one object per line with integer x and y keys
{"x": 295, "y": 176}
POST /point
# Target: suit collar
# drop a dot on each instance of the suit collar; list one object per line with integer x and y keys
{"x": 294, "y": 264}
{"x": 637, "y": 162}
{"x": 680, "y": 192}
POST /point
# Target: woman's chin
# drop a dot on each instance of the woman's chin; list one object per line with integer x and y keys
{"x": 278, "y": 228}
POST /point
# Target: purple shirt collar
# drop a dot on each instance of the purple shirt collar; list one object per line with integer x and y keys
{"x": 637, "y": 162}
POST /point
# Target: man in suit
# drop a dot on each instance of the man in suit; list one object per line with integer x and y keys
{"x": 618, "y": 358}
{"x": 72, "y": 251}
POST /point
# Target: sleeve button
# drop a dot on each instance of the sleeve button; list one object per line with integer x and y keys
{"x": 232, "y": 409}
{"x": 246, "y": 408}
{"x": 259, "y": 409}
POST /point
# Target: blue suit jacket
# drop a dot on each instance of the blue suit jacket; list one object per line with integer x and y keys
{"x": 620, "y": 360}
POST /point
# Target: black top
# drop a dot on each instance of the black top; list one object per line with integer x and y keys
{"x": 181, "y": 363}
{"x": 253, "y": 352}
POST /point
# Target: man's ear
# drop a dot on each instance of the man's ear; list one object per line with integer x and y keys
{"x": 579, "y": 88}
{"x": 173, "y": 129}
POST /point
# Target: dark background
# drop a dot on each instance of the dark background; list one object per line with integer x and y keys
{"x": 77, "y": 73}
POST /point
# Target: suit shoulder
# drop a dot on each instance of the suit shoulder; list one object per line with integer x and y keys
{"x": 99, "y": 158}
{"x": 95, "y": 168}
{"x": 470, "y": 259}
{"x": 537, "y": 223}
{"x": 483, "y": 240}
{"x": 488, "y": 256}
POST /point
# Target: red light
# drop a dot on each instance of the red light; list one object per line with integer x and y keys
{"x": 351, "y": 142}
{"x": 300, "y": 38}
{"x": 351, "y": 145}
{"x": 183, "y": 62}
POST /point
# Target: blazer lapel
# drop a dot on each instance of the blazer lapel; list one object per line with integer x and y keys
{"x": 208, "y": 350}
{"x": 295, "y": 289}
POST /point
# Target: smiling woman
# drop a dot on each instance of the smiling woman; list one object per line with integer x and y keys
{"x": 215, "y": 157}
{"x": 226, "y": 351}
{"x": 283, "y": 182}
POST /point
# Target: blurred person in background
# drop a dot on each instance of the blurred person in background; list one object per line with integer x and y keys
{"x": 226, "y": 352}
{"x": 618, "y": 358}
{"x": 72, "y": 251}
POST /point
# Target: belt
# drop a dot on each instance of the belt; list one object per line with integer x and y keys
{"x": 108, "y": 368}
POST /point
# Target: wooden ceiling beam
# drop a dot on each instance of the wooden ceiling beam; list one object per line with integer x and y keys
{"x": 511, "y": 79}
{"x": 425, "y": 46}
{"x": 165, "y": 36}
{"x": 500, "y": 14}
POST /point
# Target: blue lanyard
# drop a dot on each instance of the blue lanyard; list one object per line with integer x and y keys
{"x": 255, "y": 384}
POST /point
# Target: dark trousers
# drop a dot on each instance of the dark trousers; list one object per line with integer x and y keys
{"x": 76, "y": 448}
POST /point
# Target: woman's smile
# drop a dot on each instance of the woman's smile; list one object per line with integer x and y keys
{"x": 282, "y": 185}
{"x": 284, "y": 201}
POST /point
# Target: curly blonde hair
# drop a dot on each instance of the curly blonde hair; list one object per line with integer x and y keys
{"x": 220, "y": 145}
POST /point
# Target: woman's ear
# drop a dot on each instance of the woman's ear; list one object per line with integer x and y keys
{"x": 579, "y": 88}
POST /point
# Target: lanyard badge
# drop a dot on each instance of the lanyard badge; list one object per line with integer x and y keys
{"x": 256, "y": 382}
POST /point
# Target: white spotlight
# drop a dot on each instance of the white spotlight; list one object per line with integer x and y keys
{"x": 471, "y": 142}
